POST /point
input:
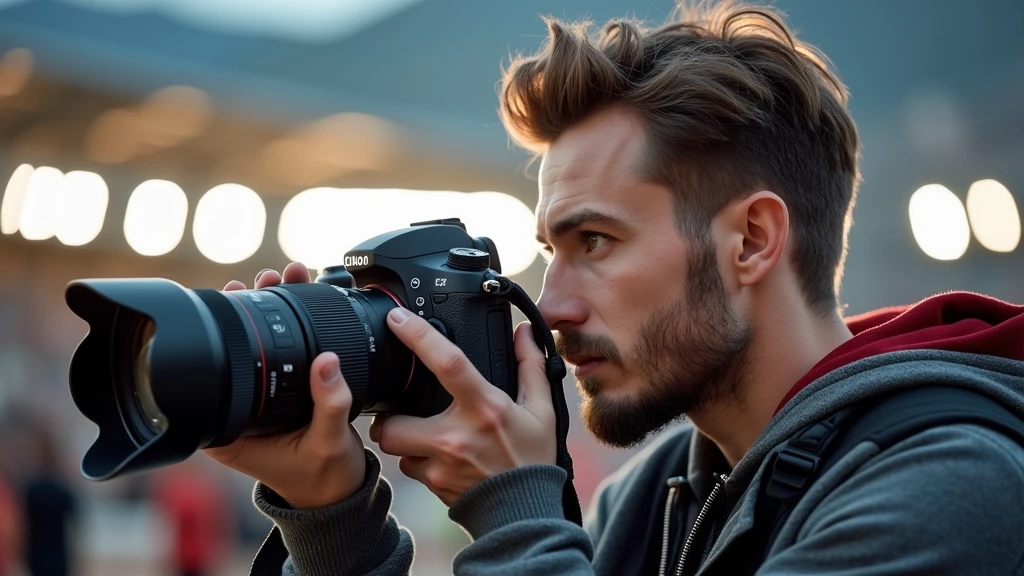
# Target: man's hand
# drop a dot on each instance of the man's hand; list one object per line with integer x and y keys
{"x": 483, "y": 432}
{"x": 320, "y": 464}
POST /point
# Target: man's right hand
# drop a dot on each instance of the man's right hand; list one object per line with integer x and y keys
{"x": 320, "y": 464}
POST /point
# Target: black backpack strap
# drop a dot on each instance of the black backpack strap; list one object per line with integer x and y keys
{"x": 270, "y": 558}
{"x": 885, "y": 421}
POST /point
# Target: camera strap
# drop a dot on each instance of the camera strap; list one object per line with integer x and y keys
{"x": 555, "y": 370}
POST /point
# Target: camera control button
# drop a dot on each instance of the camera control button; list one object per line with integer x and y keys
{"x": 415, "y": 283}
{"x": 420, "y": 301}
{"x": 438, "y": 298}
{"x": 469, "y": 259}
{"x": 261, "y": 301}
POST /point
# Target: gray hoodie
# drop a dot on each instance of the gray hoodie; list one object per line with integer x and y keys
{"x": 949, "y": 500}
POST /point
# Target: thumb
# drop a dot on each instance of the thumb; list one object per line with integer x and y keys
{"x": 332, "y": 401}
{"x": 534, "y": 388}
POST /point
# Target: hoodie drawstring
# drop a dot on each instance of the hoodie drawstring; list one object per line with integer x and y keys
{"x": 673, "y": 491}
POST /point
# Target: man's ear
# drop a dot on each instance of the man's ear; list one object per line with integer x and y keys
{"x": 761, "y": 224}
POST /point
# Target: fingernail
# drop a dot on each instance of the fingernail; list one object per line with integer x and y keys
{"x": 331, "y": 373}
{"x": 375, "y": 427}
{"x": 399, "y": 315}
{"x": 261, "y": 273}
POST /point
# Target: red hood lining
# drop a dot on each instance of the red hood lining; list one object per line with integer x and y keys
{"x": 953, "y": 321}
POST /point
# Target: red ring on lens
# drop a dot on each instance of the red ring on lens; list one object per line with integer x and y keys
{"x": 259, "y": 344}
{"x": 398, "y": 302}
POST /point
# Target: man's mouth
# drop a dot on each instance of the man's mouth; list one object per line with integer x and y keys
{"x": 585, "y": 365}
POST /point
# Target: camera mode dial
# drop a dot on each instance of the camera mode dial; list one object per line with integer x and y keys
{"x": 469, "y": 259}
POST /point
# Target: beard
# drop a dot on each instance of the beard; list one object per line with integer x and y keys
{"x": 691, "y": 351}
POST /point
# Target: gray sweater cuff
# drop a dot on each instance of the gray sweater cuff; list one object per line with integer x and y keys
{"x": 350, "y": 537}
{"x": 525, "y": 493}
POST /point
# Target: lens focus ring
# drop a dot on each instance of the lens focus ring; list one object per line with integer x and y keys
{"x": 243, "y": 375}
{"x": 339, "y": 330}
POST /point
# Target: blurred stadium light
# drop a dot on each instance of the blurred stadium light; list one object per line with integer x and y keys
{"x": 939, "y": 222}
{"x": 81, "y": 207}
{"x": 229, "y": 223}
{"x": 993, "y": 215}
{"x": 319, "y": 225}
{"x": 154, "y": 221}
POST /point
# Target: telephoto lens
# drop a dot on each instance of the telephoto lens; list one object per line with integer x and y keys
{"x": 167, "y": 370}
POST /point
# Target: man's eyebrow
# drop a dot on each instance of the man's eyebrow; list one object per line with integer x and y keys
{"x": 577, "y": 219}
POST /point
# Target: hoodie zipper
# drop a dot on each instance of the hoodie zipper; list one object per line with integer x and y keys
{"x": 673, "y": 485}
{"x": 720, "y": 481}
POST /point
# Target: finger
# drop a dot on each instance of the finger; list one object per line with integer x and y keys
{"x": 295, "y": 273}
{"x": 332, "y": 401}
{"x": 234, "y": 285}
{"x": 258, "y": 274}
{"x": 267, "y": 278}
{"x": 413, "y": 467}
{"x": 406, "y": 435}
{"x": 455, "y": 372}
{"x": 430, "y": 475}
{"x": 534, "y": 388}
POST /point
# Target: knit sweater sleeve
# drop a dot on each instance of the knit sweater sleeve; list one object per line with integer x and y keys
{"x": 358, "y": 535}
{"x": 518, "y": 527}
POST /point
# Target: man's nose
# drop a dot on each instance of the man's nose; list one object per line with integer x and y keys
{"x": 559, "y": 305}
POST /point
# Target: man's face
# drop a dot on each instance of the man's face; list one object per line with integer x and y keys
{"x": 641, "y": 312}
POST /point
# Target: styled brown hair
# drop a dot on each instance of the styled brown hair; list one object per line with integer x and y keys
{"x": 733, "y": 103}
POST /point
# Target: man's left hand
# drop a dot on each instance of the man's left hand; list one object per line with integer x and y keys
{"x": 483, "y": 432}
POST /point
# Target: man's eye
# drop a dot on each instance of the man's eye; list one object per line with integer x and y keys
{"x": 546, "y": 252}
{"x": 594, "y": 241}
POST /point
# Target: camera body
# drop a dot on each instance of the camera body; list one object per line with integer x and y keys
{"x": 437, "y": 271}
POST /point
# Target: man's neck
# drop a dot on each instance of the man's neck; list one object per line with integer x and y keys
{"x": 784, "y": 349}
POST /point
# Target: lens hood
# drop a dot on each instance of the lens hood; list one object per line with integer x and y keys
{"x": 190, "y": 393}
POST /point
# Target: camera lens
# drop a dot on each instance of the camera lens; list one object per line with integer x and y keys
{"x": 165, "y": 370}
{"x": 145, "y": 401}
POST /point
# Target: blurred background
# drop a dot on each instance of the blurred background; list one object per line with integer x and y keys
{"x": 203, "y": 140}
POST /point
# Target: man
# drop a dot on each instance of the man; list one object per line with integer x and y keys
{"x": 696, "y": 187}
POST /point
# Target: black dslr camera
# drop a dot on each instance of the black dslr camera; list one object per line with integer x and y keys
{"x": 165, "y": 371}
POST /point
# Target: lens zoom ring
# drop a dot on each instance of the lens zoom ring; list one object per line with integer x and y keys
{"x": 339, "y": 330}
{"x": 243, "y": 376}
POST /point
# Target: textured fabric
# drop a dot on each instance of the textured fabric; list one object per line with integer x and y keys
{"x": 484, "y": 508}
{"x": 917, "y": 467}
{"x": 954, "y": 321}
{"x": 358, "y": 535}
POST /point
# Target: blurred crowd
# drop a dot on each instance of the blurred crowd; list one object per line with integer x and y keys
{"x": 41, "y": 523}
{"x": 204, "y": 523}
{"x": 38, "y": 505}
